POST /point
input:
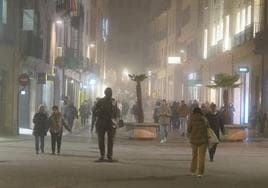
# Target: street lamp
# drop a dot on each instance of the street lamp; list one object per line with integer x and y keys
{"x": 59, "y": 21}
{"x": 174, "y": 60}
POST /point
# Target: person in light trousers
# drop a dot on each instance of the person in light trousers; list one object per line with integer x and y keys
{"x": 197, "y": 128}
{"x": 164, "y": 113}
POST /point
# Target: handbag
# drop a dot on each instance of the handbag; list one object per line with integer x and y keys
{"x": 212, "y": 138}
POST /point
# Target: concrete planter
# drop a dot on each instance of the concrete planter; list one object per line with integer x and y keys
{"x": 235, "y": 132}
{"x": 142, "y": 130}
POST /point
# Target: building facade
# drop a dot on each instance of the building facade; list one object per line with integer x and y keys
{"x": 211, "y": 37}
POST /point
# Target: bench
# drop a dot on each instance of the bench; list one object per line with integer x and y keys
{"x": 145, "y": 130}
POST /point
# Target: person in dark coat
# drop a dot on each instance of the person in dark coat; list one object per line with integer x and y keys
{"x": 56, "y": 123}
{"x": 40, "y": 128}
{"x": 70, "y": 114}
{"x": 216, "y": 124}
{"x": 106, "y": 112}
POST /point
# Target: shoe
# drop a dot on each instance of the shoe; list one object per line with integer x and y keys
{"x": 199, "y": 175}
{"x": 162, "y": 141}
{"x": 193, "y": 173}
{"x": 165, "y": 139}
{"x": 110, "y": 159}
{"x": 37, "y": 152}
{"x": 211, "y": 160}
{"x": 42, "y": 151}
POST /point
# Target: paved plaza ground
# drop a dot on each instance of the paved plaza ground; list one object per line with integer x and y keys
{"x": 142, "y": 164}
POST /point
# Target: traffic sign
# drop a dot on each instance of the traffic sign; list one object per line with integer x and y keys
{"x": 24, "y": 79}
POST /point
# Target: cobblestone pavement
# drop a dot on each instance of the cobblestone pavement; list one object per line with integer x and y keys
{"x": 142, "y": 164}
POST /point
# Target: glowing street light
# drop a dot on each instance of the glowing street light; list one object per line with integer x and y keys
{"x": 59, "y": 22}
{"x": 92, "y": 45}
{"x": 174, "y": 60}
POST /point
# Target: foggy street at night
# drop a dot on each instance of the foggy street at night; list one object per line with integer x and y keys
{"x": 182, "y": 83}
{"x": 144, "y": 164}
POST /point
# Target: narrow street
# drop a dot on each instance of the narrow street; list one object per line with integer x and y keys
{"x": 141, "y": 164}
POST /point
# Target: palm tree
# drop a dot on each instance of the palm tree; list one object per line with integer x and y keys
{"x": 138, "y": 79}
{"x": 227, "y": 83}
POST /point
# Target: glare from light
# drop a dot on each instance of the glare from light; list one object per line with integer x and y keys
{"x": 149, "y": 73}
{"x": 182, "y": 51}
{"x": 59, "y": 22}
{"x": 92, "y": 82}
{"x": 72, "y": 81}
{"x": 125, "y": 72}
{"x": 174, "y": 60}
{"x": 198, "y": 85}
{"x": 92, "y": 45}
{"x": 23, "y": 92}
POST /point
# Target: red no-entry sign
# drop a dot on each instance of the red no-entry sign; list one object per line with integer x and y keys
{"x": 24, "y": 79}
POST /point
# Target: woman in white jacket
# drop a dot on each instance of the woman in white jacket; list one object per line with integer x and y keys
{"x": 164, "y": 113}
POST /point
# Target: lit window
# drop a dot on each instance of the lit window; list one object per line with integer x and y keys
{"x": 237, "y": 28}
{"x": 213, "y": 36}
{"x": 227, "y": 34}
{"x": 257, "y": 17}
{"x": 243, "y": 21}
{"x": 3, "y": 11}
{"x": 249, "y": 15}
{"x": 205, "y": 54}
{"x": 220, "y": 31}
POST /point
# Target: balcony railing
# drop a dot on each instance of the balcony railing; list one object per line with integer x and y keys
{"x": 62, "y": 6}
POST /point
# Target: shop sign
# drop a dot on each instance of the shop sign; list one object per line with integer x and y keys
{"x": 243, "y": 69}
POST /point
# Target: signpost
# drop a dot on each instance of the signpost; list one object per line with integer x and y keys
{"x": 24, "y": 79}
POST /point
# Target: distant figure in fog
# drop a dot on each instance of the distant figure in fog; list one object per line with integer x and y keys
{"x": 94, "y": 117}
{"x": 70, "y": 114}
{"x": 56, "y": 123}
{"x": 164, "y": 114}
{"x": 84, "y": 113}
{"x": 135, "y": 111}
{"x": 156, "y": 109}
{"x": 40, "y": 129}
{"x": 183, "y": 111}
{"x": 216, "y": 124}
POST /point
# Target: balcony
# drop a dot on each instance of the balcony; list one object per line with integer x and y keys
{"x": 62, "y": 7}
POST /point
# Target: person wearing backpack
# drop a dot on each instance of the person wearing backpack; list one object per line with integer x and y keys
{"x": 105, "y": 112}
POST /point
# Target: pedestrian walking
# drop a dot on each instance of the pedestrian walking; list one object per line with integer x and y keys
{"x": 94, "y": 117}
{"x": 56, "y": 123}
{"x": 216, "y": 124}
{"x": 135, "y": 111}
{"x": 83, "y": 111}
{"x": 183, "y": 111}
{"x": 40, "y": 128}
{"x": 175, "y": 115}
{"x": 197, "y": 128}
{"x": 70, "y": 114}
{"x": 106, "y": 112}
{"x": 156, "y": 109}
{"x": 164, "y": 120}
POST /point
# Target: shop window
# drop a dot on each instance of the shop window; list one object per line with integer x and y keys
{"x": 3, "y": 11}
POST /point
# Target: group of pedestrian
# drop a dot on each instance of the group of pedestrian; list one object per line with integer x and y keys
{"x": 105, "y": 111}
{"x": 44, "y": 123}
{"x": 193, "y": 121}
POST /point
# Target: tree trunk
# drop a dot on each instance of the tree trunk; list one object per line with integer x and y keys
{"x": 227, "y": 111}
{"x": 139, "y": 101}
